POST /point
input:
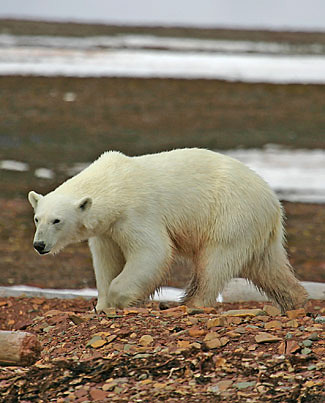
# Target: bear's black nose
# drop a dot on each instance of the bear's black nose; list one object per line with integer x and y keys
{"x": 39, "y": 246}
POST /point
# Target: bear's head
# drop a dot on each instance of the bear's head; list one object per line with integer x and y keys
{"x": 59, "y": 220}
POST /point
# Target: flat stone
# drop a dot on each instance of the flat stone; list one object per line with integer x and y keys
{"x": 211, "y": 336}
{"x": 195, "y": 311}
{"x": 313, "y": 337}
{"x": 296, "y": 313}
{"x": 214, "y": 343}
{"x": 244, "y": 385}
{"x": 243, "y": 312}
{"x": 292, "y": 323}
{"x": 307, "y": 343}
{"x": 264, "y": 337}
{"x": 233, "y": 335}
{"x": 196, "y": 332}
{"x": 306, "y": 351}
{"x": 98, "y": 394}
{"x": 223, "y": 385}
{"x": 215, "y": 322}
{"x": 273, "y": 324}
{"x": 320, "y": 319}
{"x": 224, "y": 340}
{"x": 271, "y": 310}
{"x": 292, "y": 347}
{"x": 146, "y": 340}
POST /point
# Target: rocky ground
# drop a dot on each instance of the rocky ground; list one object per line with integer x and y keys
{"x": 164, "y": 353}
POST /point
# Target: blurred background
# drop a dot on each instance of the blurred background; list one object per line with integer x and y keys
{"x": 78, "y": 78}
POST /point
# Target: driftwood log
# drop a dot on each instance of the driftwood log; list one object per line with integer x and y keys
{"x": 18, "y": 348}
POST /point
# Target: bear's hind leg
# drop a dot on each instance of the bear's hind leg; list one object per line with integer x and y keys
{"x": 214, "y": 268}
{"x": 273, "y": 274}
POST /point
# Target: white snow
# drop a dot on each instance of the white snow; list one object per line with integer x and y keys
{"x": 238, "y": 289}
{"x": 296, "y": 175}
{"x": 44, "y": 173}
{"x": 11, "y": 165}
{"x": 165, "y": 293}
{"x": 137, "y": 56}
{"x": 157, "y": 42}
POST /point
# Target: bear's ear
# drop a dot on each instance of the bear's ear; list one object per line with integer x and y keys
{"x": 84, "y": 203}
{"x": 34, "y": 198}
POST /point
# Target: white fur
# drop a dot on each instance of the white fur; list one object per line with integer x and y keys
{"x": 140, "y": 212}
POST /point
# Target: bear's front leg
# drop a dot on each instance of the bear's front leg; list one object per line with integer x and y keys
{"x": 108, "y": 262}
{"x": 142, "y": 274}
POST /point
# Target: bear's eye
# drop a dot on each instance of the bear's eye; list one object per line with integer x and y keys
{"x": 56, "y": 221}
{"x": 36, "y": 220}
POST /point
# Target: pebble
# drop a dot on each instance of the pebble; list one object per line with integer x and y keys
{"x": 243, "y": 312}
{"x": 252, "y": 327}
{"x": 307, "y": 343}
{"x": 97, "y": 394}
{"x": 271, "y": 310}
{"x": 320, "y": 319}
{"x": 306, "y": 351}
{"x": 292, "y": 323}
{"x": 313, "y": 337}
{"x": 215, "y": 322}
{"x": 296, "y": 313}
{"x": 146, "y": 340}
{"x": 223, "y": 385}
{"x": 195, "y": 332}
{"x": 194, "y": 311}
{"x": 211, "y": 336}
{"x": 214, "y": 343}
{"x": 273, "y": 324}
{"x": 244, "y": 385}
{"x": 263, "y": 337}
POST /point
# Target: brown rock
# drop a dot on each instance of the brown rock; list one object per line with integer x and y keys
{"x": 243, "y": 312}
{"x": 273, "y": 324}
{"x": 223, "y": 385}
{"x": 211, "y": 336}
{"x": 98, "y": 343}
{"x": 98, "y": 394}
{"x": 292, "y": 323}
{"x": 146, "y": 340}
{"x": 215, "y": 322}
{"x": 233, "y": 335}
{"x": 271, "y": 310}
{"x": 196, "y": 332}
{"x": 292, "y": 347}
{"x": 224, "y": 340}
{"x": 264, "y": 337}
{"x": 214, "y": 343}
{"x": 183, "y": 343}
{"x": 296, "y": 313}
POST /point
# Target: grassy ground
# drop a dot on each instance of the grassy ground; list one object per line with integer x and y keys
{"x": 19, "y": 27}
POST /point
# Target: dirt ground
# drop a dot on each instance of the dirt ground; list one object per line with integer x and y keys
{"x": 175, "y": 354}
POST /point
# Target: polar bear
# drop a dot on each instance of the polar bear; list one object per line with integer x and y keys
{"x": 139, "y": 213}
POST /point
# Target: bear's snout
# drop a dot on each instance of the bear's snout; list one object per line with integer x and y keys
{"x": 40, "y": 247}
